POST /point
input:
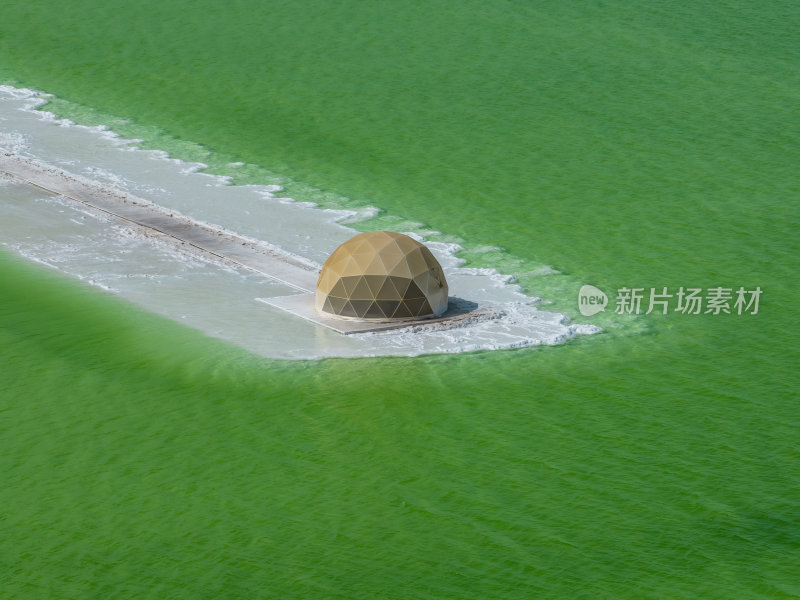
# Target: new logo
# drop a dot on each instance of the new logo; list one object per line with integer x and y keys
{"x": 591, "y": 300}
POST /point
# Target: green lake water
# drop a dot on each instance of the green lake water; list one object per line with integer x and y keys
{"x": 621, "y": 144}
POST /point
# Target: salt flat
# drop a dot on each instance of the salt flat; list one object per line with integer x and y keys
{"x": 214, "y": 256}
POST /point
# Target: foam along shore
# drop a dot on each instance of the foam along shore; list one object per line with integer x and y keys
{"x": 220, "y": 293}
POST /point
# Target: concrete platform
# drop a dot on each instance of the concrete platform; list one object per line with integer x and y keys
{"x": 459, "y": 312}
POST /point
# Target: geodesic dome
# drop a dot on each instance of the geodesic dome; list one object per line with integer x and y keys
{"x": 381, "y": 276}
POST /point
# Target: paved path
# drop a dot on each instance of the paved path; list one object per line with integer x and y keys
{"x": 222, "y": 244}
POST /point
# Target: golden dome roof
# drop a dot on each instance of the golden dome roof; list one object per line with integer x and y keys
{"x": 381, "y": 276}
